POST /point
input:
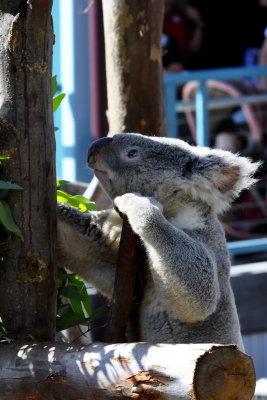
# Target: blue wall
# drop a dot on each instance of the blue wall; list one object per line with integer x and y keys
{"x": 71, "y": 65}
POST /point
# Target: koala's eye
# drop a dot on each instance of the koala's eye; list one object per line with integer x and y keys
{"x": 132, "y": 153}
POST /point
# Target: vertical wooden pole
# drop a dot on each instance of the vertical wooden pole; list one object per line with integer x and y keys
{"x": 133, "y": 32}
{"x": 27, "y": 268}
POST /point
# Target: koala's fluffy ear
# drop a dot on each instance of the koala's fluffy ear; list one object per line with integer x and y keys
{"x": 220, "y": 176}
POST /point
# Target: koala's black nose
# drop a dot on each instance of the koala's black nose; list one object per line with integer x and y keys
{"x": 96, "y": 147}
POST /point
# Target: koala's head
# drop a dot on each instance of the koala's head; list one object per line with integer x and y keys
{"x": 169, "y": 170}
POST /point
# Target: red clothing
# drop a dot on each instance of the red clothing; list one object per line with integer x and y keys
{"x": 177, "y": 26}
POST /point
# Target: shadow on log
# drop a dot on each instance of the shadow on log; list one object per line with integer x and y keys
{"x": 127, "y": 371}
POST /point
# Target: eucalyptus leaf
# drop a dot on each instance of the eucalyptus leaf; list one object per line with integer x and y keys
{"x": 3, "y": 193}
{"x": 9, "y": 185}
{"x": 86, "y": 302}
{"x": 61, "y": 182}
{"x": 7, "y": 220}
{"x": 84, "y": 207}
{"x": 63, "y": 196}
{"x": 79, "y": 202}
{"x": 69, "y": 320}
{"x": 80, "y": 199}
{"x": 57, "y": 100}
{"x": 72, "y": 292}
{"x": 76, "y": 280}
{"x": 77, "y": 307}
{"x": 84, "y": 204}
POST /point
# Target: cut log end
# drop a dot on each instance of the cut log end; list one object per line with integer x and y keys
{"x": 225, "y": 374}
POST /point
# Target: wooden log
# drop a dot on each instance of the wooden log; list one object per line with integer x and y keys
{"x": 126, "y": 371}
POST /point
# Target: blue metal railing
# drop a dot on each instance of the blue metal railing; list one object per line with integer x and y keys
{"x": 201, "y": 106}
{"x": 171, "y": 80}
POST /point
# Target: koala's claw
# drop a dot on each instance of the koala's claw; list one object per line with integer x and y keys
{"x": 139, "y": 209}
{"x": 135, "y": 201}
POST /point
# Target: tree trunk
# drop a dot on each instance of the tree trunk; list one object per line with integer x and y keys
{"x": 126, "y": 371}
{"x": 27, "y": 268}
{"x": 133, "y": 32}
{"x": 125, "y": 284}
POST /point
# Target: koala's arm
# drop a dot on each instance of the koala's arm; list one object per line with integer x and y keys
{"x": 182, "y": 268}
{"x": 88, "y": 244}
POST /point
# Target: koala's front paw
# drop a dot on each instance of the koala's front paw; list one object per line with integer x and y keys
{"x": 139, "y": 210}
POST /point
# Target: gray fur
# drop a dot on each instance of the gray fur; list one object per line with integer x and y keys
{"x": 171, "y": 193}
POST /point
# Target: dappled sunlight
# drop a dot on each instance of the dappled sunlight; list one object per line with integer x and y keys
{"x": 103, "y": 370}
{"x": 106, "y": 363}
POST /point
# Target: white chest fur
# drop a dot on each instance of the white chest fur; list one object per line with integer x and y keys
{"x": 188, "y": 218}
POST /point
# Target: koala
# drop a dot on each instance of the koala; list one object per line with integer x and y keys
{"x": 172, "y": 194}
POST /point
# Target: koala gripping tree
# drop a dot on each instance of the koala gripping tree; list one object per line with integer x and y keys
{"x": 53, "y": 370}
{"x": 27, "y": 271}
{"x": 135, "y": 104}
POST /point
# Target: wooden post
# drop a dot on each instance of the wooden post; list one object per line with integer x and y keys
{"x": 126, "y": 371}
{"x": 133, "y": 32}
{"x": 125, "y": 281}
{"x": 27, "y": 269}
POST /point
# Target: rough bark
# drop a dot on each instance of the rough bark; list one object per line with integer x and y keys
{"x": 27, "y": 272}
{"x": 125, "y": 284}
{"x": 133, "y": 65}
{"x": 126, "y": 371}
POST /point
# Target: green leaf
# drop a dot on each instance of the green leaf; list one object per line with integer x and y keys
{"x": 9, "y": 185}
{"x": 63, "y": 309}
{"x": 62, "y": 182}
{"x": 63, "y": 196}
{"x": 3, "y": 193}
{"x": 57, "y": 100}
{"x": 54, "y": 85}
{"x": 77, "y": 307}
{"x": 7, "y": 220}
{"x": 69, "y": 320}
{"x": 91, "y": 206}
{"x": 72, "y": 292}
{"x": 76, "y": 280}
{"x": 80, "y": 199}
{"x": 79, "y": 202}
{"x": 67, "y": 198}
{"x": 82, "y": 203}
{"x": 61, "y": 276}
{"x": 86, "y": 302}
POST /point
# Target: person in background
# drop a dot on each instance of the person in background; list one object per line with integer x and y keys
{"x": 182, "y": 35}
{"x": 231, "y": 141}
